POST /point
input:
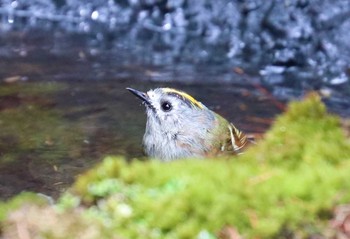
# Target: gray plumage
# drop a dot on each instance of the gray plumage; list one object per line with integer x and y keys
{"x": 178, "y": 126}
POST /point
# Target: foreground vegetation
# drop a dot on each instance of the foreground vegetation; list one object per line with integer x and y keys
{"x": 286, "y": 185}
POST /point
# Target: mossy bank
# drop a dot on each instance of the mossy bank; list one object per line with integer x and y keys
{"x": 287, "y": 184}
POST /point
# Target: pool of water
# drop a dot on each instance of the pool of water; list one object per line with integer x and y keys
{"x": 63, "y": 109}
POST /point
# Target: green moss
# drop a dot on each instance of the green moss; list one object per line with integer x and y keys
{"x": 18, "y": 201}
{"x": 287, "y": 182}
{"x": 306, "y": 133}
{"x": 33, "y": 221}
{"x": 185, "y": 197}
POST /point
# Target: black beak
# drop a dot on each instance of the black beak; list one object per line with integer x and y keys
{"x": 143, "y": 96}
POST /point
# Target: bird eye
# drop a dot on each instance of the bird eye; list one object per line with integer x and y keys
{"x": 166, "y": 106}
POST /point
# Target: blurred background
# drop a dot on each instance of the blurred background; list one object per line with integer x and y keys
{"x": 65, "y": 64}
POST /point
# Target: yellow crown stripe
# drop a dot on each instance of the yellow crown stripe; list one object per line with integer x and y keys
{"x": 185, "y": 96}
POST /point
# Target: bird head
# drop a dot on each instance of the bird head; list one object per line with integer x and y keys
{"x": 171, "y": 108}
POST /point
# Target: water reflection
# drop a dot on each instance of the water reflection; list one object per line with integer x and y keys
{"x": 309, "y": 40}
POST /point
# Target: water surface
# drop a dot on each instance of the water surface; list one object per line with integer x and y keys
{"x": 61, "y": 113}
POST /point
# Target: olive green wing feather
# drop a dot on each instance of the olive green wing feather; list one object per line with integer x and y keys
{"x": 227, "y": 138}
{"x": 237, "y": 138}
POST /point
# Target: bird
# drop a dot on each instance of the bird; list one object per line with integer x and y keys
{"x": 179, "y": 127}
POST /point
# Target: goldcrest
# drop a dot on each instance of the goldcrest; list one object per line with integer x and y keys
{"x": 178, "y": 126}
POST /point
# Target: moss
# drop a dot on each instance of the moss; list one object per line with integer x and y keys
{"x": 286, "y": 183}
{"x": 33, "y": 221}
{"x": 185, "y": 197}
{"x": 306, "y": 133}
{"x": 18, "y": 201}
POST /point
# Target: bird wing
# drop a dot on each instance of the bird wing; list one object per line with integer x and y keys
{"x": 237, "y": 138}
{"x": 226, "y": 138}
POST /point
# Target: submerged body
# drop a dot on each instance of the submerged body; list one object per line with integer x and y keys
{"x": 178, "y": 126}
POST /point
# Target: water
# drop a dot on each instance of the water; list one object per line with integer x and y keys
{"x": 305, "y": 48}
{"x": 64, "y": 67}
{"x": 62, "y": 109}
